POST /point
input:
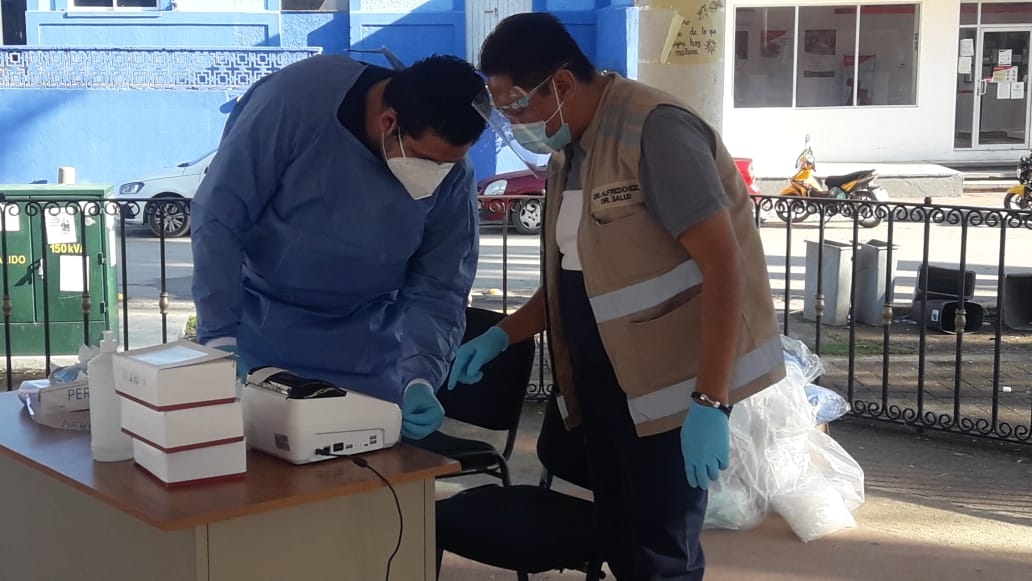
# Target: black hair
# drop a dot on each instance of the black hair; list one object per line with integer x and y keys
{"x": 529, "y": 47}
{"x": 436, "y": 94}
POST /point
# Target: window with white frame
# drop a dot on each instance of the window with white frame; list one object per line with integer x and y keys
{"x": 114, "y": 4}
{"x": 846, "y": 55}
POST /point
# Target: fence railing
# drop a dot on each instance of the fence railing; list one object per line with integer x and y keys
{"x": 952, "y": 354}
{"x": 922, "y": 319}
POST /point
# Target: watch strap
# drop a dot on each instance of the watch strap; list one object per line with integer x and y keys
{"x": 707, "y": 401}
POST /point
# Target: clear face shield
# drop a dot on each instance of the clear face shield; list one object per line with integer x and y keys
{"x": 505, "y": 141}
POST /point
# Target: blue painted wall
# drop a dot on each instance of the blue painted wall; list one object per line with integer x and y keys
{"x": 134, "y": 112}
{"x": 189, "y": 120}
{"x": 109, "y": 136}
{"x": 138, "y": 28}
{"x": 411, "y": 35}
{"x": 330, "y": 31}
{"x": 616, "y": 40}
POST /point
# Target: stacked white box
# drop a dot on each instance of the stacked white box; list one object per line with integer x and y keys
{"x": 179, "y": 404}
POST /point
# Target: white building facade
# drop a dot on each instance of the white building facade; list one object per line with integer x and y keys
{"x": 941, "y": 81}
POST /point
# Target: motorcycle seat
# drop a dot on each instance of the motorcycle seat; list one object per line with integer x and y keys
{"x": 839, "y": 181}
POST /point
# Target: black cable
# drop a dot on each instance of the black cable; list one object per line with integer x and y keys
{"x": 361, "y": 463}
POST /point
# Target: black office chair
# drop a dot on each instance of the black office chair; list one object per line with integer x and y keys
{"x": 495, "y": 403}
{"x": 528, "y": 528}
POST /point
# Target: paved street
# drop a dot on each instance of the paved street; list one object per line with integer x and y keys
{"x": 982, "y": 250}
{"x": 143, "y": 253}
{"x": 521, "y": 261}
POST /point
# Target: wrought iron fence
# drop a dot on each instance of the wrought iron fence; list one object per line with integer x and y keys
{"x": 64, "y": 271}
{"x": 936, "y": 380}
{"x": 903, "y": 367}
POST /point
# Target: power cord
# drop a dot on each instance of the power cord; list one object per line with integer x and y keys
{"x": 361, "y": 463}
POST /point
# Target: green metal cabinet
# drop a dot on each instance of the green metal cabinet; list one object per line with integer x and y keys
{"x": 53, "y": 237}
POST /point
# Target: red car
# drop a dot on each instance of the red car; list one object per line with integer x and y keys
{"x": 518, "y": 197}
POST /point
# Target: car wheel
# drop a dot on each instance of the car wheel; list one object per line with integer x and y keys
{"x": 176, "y": 218}
{"x": 527, "y": 216}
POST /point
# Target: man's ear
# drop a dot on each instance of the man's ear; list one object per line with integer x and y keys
{"x": 389, "y": 121}
{"x": 565, "y": 83}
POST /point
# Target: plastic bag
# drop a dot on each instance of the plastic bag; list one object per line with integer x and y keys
{"x": 823, "y": 501}
{"x": 779, "y": 461}
{"x": 830, "y": 406}
{"x": 802, "y": 365}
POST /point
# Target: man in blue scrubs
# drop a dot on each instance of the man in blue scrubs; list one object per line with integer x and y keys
{"x": 336, "y": 232}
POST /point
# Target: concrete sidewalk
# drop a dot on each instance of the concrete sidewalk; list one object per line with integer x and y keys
{"x": 938, "y": 508}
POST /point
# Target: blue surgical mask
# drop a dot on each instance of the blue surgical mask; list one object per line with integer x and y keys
{"x": 534, "y": 136}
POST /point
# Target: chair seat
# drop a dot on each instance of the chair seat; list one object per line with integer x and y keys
{"x": 472, "y": 454}
{"x": 520, "y": 527}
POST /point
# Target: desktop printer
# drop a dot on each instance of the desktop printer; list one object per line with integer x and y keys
{"x": 304, "y": 420}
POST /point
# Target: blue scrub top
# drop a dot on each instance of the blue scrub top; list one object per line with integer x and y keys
{"x": 313, "y": 257}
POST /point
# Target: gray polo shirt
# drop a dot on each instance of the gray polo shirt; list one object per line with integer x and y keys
{"x": 678, "y": 171}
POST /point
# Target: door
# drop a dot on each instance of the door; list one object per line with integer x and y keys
{"x": 481, "y": 18}
{"x": 1001, "y": 98}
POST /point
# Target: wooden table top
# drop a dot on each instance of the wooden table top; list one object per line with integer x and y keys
{"x": 271, "y": 483}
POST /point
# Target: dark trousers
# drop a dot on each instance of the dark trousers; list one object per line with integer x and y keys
{"x": 649, "y": 516}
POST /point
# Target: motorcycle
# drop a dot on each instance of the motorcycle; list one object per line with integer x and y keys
{"x": 860, "y": 185}
{"x": 1019, "y": 197}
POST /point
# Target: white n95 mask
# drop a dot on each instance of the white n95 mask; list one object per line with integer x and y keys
{"x": 420, "y": 177}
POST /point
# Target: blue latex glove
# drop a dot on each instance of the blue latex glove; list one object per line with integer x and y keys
{"x": 704, "y": 444}
{"x": 241, "y": 371}
{"x": 421, "y": 413}
{"x": 475, "y": 354}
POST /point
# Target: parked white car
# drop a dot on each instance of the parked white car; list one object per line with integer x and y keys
{"x": 179, "y": 182}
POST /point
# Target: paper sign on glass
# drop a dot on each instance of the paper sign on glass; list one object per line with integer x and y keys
{"x": 964, "y": 65}
{"x": 1004, "y": 74}
{"x": 1018, "y": 90}
{"x": 967, "y": 47}
{"x": 1004, "y": 57}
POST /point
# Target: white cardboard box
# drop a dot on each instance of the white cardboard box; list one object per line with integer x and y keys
{"x": 49, "y": 399}
{"x": 179, "y": 374}
{"x": 193, "y": 466}
{"x": 182, "y": 428}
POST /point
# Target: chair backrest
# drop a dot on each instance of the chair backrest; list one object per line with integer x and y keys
{"x": 561, "y": 451}
{"x": 495, "y": 403}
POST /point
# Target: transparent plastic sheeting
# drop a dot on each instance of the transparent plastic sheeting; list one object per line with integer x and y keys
{"x": 504, "y": 138}
{"x": 780, "y": 462}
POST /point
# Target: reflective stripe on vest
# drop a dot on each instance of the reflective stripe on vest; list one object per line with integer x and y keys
{"x": 676, "y": 398}
{"x": 646, "y": 294}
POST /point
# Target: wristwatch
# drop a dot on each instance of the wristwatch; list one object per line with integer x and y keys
{"x": 706, "y": 400}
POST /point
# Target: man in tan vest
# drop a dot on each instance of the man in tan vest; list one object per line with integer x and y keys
{"x": 656, "y": 297}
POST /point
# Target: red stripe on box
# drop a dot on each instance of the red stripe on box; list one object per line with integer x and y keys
{"x": 198, "y": 481}
{"x": 186, "y": 447}
{"x": 178, "y": 406}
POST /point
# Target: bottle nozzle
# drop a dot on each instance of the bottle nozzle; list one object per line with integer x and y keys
{"x": 108, "y": 343}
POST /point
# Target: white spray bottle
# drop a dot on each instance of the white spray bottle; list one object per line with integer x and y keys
{"x": 108, "y": 442}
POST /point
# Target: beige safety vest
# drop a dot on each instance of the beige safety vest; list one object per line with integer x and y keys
{"x": 643, "y": 286}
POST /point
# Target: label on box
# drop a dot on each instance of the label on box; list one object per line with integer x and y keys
{"x": 64, "y": 398}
